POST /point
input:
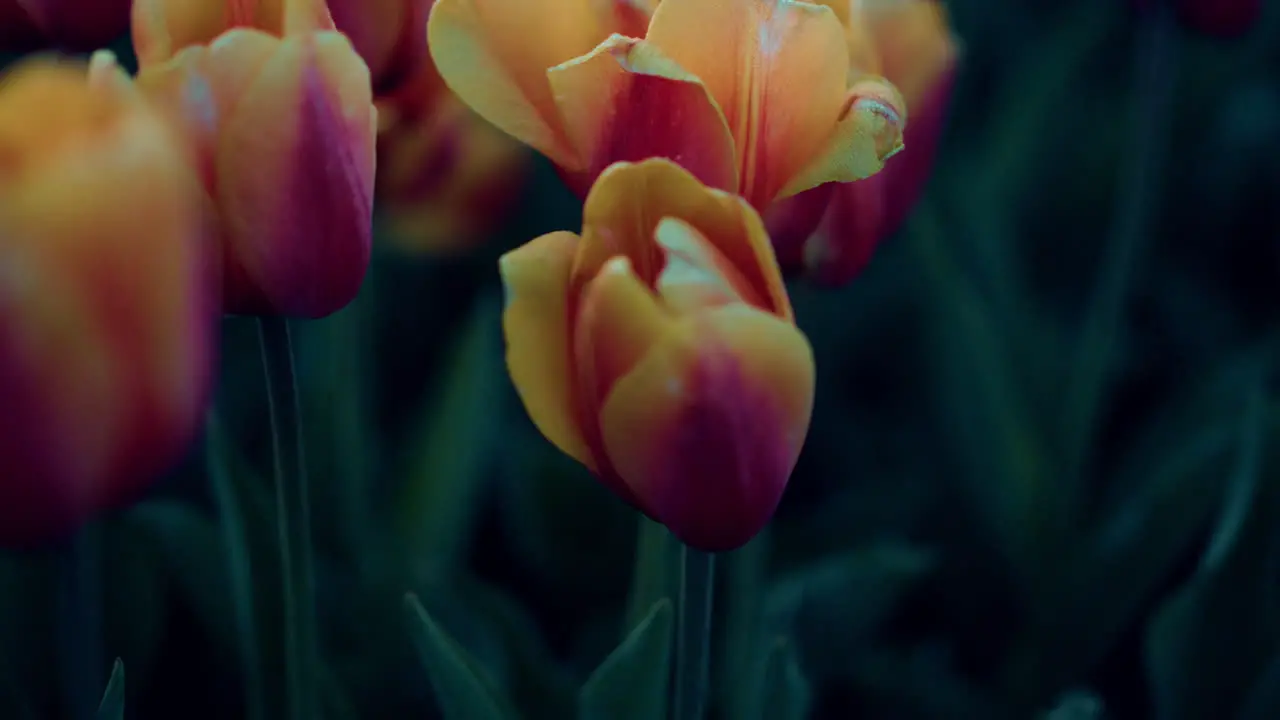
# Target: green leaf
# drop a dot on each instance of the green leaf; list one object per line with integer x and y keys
{"x": 785, "y": 692}
{"x": 452, "y": 449}
{"x": 1077, "y": 705}
{"x": 112, "y": 705}
{"x": 463, "y": 689}
{"x": 743, "y": 612}
{"x": 1210, "y": 641}
{"x": 654, "y": 576}
{"x": 631, "y": 684}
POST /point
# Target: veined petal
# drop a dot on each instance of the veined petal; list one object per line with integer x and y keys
{"x": 707, "y": 427}
{"x": 494, "y": 54}
{"x": 868, "y": 134}
{"x": 536, "y": 325}
{"x": 625, "y": 101}
{"x": 628, "y": 201}
{"x": 863, "y": 57}
{"x": 777, "y": 68}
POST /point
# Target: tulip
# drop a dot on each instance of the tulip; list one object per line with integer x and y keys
{"x": 107, "y": 316}
{"x": 68, "y": 24}
{"x": 1217, "y": 18}
{"x": 659, "y": 349}
{"x": 446, "y": 177}
{"x": 751, "y": 96}
{"x": 280, "y": 107}
{"x": 832, "y": 231}
{"x": 391, "y": 36}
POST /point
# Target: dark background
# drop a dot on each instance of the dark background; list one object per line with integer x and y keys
{"x": 964, "y": 536}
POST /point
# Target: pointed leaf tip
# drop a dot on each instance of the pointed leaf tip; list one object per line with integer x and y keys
{"x": 463, "y": 689}
{"x": 112, "y": 706}
{"x": 631, "y": 683}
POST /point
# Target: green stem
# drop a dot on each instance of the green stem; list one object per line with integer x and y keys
{"x": 293, "y": 515}
{"x": 693, "y": 633}
{"x": 79, "y": 630}
{"x": 1154, "y": 81}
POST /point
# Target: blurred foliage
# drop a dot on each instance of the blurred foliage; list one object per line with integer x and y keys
{"x": 951, "y": 545}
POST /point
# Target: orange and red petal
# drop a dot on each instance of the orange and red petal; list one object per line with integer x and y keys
{"x": 625, "y": 102}
{"x": 708, "y": 426}
{"x": 536, "y": 323}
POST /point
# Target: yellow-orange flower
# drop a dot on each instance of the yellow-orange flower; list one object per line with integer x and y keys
{"x": 658, "y": 348}
{"x": 909, "y": 42}
{"x": 391, "y": 36}
{"x": 751, "y": 96}
{"x": 446, "y": 178}
{"x": 281, "y": 108}
{"x": 107, "y": 319}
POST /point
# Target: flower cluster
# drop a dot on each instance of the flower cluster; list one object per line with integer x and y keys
{"x": 715, "y": 145}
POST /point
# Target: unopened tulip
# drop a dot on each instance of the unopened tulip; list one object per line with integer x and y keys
{"x": 281, "y": 108}
{"x": 908, "y": 42}
{"x": 67, "y": 24}
{"x": 751, "y": 96}
{"x": 107, "y": 317}
{"x": 391, "y": 36}
{"x": 446, "y": 177}
{"x": 658, "y": 348}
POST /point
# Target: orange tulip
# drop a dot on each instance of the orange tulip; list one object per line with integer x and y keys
{"x": 107, "y": 319}
{"x": 446, "y": 177}
{"x": 68, "y": 24}
{"x": 281, "y": 108}
{"x": 751, "y": 96}
{"x": 658, "y": 348}
{"x": 832, "y": 231}
{"x": 391, "y": 36}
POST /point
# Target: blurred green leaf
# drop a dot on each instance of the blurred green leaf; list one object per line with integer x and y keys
{"x": 832, "y": 607}
{"x": 631, "y": 684}
{"x": 742, "y": 601}
{"x": 112, "y": 705}
{"x": 463, "y": 689}
{"x": 785, "y": 694}
{"x": 451, "y": 449}
{"x": 922, "y": 683}
{"x": 1077, "y": 705}
{"x": 654, "y": 575}
{"x": 1209, "y": 642}
{"x": 136, "y": 600}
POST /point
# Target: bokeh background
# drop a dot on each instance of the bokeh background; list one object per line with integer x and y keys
{"x": 971, "y": 533}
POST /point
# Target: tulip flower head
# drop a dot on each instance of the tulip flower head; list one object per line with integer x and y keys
{"x": 107, "y": 320}
{"x": 659, "y": 349}
{"x": 831, "y": 232}
{"x": 391, "y": 36}
{"x": 281, "y": 110}
{"x": 750, "y": 96}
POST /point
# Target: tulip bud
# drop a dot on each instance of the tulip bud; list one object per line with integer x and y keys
{"x": 68, "y": 24}
{"x": 390, "y": 35}
{"x": 660, "y": 350}
{"x": 107, "y": 324}
{"x": 285, "y": 127}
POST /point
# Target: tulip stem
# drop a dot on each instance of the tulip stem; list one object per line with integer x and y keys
{"x": 693, "y": 633}
{"x": 293, "y": 517}
{"x": 79, "y": 630}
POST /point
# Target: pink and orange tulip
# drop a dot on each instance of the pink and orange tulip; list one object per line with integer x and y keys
{"x": 67, "y": 24}
{"x": 280, "y": 108}
{"x": 446, "y": 178}
{"x": 391, "y": 36}
{"x": 831, "y": 232}
{"x": 751, "y": 96}
{"x": 658, "y": 348}
{"x": 107, "y": 312}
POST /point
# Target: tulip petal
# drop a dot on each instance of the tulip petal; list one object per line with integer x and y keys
{"x": 160, "y": 28}
{"x": 915, "y": 45}
{"x": 628, "y": 201}
{"x": 295, "y": 168}
{"x": 624, "y": 101}
{"x": 868, "y": 134}
{"x": 494, "y": 54}
{"x": 536, "y": 324}
{"x": 779, "y": 71}
{"x": 696, "y": 276}
{"x": 707, "y": 427}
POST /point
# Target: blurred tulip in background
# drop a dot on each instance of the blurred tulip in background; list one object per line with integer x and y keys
{"x": 659, "y": 349}
{"x": 281, "y": 110}
{"x": 76, "y": 25}
{"x": 832, "y": 231}
{"x": 107, "y": 319}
